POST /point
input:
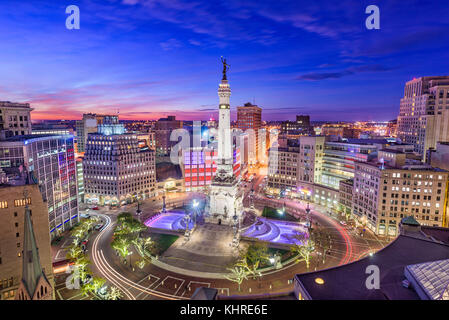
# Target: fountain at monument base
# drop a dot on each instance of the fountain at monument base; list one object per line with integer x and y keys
{"x": 263, "y": 229}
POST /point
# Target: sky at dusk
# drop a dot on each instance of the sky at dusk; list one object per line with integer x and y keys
{"x": 152, "y": 58}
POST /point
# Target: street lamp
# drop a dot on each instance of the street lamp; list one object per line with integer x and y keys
{"x": 163, "y": 203}
{"x": 130, "y": 255}
{"x": 138, "y": 211}
{"x": 309, "y": 220}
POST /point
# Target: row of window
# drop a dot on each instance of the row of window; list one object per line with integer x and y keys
{"x": 17, "y": 203}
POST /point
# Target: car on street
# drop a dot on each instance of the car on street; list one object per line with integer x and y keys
{"x": 85, "y": 215}
{"x": 343, "y": 223}
{"x": 98, "y": 226}
{"x": 95, "y": 208}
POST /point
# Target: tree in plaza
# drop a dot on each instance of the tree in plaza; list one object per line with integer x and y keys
{"x": 114, "y": 294}
{"x": 127, "y": 224}
{"x": 303, "y": 247}
{"x": 255, "y": 254}
{"x": 86, "y": 289}
{"x": 141, "y": 263}
{"x": 325, "y": 242}
{"x": 81, "y": 264}
{"x": 89, "y": 223}
{"x": 144, "y": 246}
{"x": 97, "y": 284}
{"x": 93, "y": 286}
{"x": 74, "y": 252}
{"x": 78, "y": 233}
{"x": 124, "y": 216}
{"x": 238, "y": 274}
{"x": 135, "y": 227}
{"x": 121, "y": 243}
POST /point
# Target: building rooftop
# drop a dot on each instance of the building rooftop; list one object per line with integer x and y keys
{"x": 367, "y": 141}
{"x": 31, "y": 137}
{"x": 348, "y": 281}
{"x": 392, "y": 151}
{"x": 10, "y": 104}
{"x": 431, "y": 278}
{"x": 408, "y": 166}
{"x": 410, "y": 220}
{"x": 436, "y": 233}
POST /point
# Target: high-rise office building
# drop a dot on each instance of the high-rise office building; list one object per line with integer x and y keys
{"x": 297, "y": 128}
{"x": 15, "y": 119}
{"x": 439, "y": 157}
{"x": 339, "y": 160}
{"x": 283, "y": 167}
{"x": 249, "y": 119}
{"x": 89, "y": 124}
{"x": 386, "y": 191}
{"x": 48, "y": 160}
{"x": 80, "y": 178}
{"x": 163, "y": 129}
{"x": 15, "y": 240}
{"x": 424, "y": 113}
{"x": 83, "y": 128}
{"x": 116, "y": 171}
{"x": 310, "y": 162}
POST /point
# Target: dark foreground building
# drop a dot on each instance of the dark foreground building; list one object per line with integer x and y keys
{"x": 414, "y": 266}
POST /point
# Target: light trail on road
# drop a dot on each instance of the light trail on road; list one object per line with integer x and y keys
{"x": 118, "y": 279}
{"x": 342, "y": 231}
{"x": 98, "y": 263}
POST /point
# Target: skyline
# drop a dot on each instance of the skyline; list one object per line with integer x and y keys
{"x": 150, "y": 59}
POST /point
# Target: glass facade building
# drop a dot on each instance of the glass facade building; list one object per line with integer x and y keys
{"x": 46, "y": 160}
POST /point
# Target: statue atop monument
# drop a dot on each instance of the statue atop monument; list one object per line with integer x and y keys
{"x": 225, "y": 67}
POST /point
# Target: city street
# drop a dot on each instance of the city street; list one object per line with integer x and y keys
{"x": 153, "y": 282}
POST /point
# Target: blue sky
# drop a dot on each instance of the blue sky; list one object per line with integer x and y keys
{"x": 150, "y": 58}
